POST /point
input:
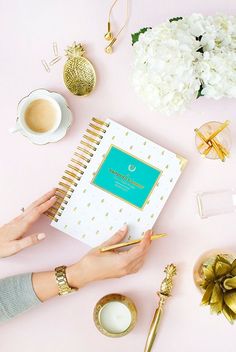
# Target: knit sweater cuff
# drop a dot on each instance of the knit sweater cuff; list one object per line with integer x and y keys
{"x": 16, "y": 296}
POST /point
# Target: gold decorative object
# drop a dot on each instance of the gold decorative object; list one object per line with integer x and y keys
{"x": 213, "y": 140}
{"x": 125, "y": 244}
{"x": 164, "y": 293}
{"x": 114, "y": 297}
{"x": 79, "y": 73}
{"x": 109, "y": 36}
{"x": 215, "y": 276}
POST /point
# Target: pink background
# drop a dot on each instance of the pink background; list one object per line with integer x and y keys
{"x": 28, "y": 29}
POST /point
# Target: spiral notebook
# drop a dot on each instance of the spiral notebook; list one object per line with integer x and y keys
{"x": 115, "y": 176}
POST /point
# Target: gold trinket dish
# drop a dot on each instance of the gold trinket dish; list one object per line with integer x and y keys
{"x": 79, "y": 73}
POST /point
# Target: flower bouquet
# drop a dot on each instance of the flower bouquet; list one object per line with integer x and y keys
{"x": 182, "y": 59}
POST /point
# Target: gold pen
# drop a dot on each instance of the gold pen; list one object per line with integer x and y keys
{"x": 164, "y": 293}
{"x": 124, "y": 244}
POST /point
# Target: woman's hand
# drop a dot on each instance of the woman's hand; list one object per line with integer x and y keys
{"x": 11, "y": 234}
{"x": 113, "y": 264}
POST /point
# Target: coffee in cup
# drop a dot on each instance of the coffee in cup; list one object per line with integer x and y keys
{"x": 41, "y": 116}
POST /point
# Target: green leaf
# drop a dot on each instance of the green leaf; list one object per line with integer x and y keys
{"x": 199, "y": 93}
{"x": 200, "y": 50}
{"x": 208, "y": 293}
{"x": 175, "y": 19}
{"x": 199, "y": 38}
{"x": 229, "y": 314}
{"x": 135, "y": 36}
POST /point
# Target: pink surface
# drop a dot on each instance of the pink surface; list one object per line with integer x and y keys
{"x": 28, "y": 29}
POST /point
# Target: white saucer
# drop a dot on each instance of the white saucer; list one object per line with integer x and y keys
{"x": 66, "y": 119}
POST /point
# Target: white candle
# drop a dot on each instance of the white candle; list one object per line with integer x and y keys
{"x": 115, "y": 317}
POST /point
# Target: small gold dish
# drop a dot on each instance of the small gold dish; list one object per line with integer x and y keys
{"x": 79, "y": 73}
{"x": 115, "y": 315}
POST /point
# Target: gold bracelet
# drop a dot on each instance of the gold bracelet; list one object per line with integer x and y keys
{"x": 62, "y": 283}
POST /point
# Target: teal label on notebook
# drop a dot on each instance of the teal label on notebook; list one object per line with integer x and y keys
{"x": 126, "y": 177}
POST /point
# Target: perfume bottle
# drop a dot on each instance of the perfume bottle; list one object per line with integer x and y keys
{"x": 216, "y": 202}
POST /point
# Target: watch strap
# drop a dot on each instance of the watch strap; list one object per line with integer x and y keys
{"x": 62, "y": 283}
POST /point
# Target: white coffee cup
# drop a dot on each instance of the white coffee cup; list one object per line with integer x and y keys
{"x": 23, "y": 126}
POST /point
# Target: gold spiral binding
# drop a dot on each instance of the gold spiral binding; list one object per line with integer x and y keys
{"x": 88, "y": 146}
{"x": 80, "y": 156}
{"x": 94, "y": 134}
{"x": 72, "y": 174}
{"x": 100, "y": 122}
{"x": 97, "y": 128}
{"x": 85, "y": 151}
{"x": 60, "y": 191}
{"x": 61, "y": 199}
{"x": 69, "y": 180}
{"x": 76, "y": 168}
{"x": 90, "y": 139}
{"x": 68, "y": 187}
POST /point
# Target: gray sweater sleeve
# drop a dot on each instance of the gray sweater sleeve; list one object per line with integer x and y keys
{"x": 16, "y": 296}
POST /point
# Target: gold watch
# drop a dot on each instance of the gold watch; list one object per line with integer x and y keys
{"x": 62, "y": 283}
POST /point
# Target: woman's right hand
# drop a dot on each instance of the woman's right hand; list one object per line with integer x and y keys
{"x": 97, "y": 265}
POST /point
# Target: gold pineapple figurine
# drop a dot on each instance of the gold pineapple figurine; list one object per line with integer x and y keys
{"x": 79, "y": 73}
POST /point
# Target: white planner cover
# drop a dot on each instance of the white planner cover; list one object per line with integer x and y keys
{"x": 92, "y": 215}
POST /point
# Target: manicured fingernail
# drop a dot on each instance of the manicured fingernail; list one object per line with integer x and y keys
{"x": 53, "y": 198}
{"x": 123, "y": 228}
{"x": 41, "y": 236}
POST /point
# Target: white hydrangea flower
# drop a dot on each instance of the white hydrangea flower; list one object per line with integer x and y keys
{"x": 164, "y": 72}
{"x": 220, "y": 33}
{"x": 218, "y": 72}
{"x": 173, "y": 60}
{"x": 217, "y": 69}
{"x": 197, "y": 24}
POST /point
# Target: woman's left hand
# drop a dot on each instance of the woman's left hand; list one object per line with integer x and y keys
{"x": 11, "y": 234}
